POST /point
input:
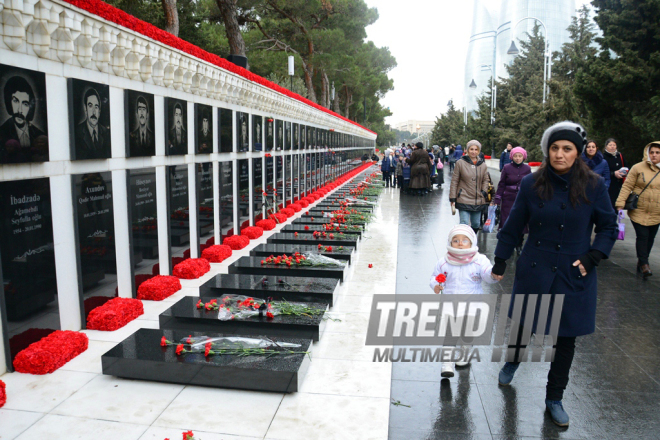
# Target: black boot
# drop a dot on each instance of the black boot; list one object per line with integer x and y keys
{"x": 476, "y": 230}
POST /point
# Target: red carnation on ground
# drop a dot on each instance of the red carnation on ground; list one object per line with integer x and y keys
{"x": 191, "y": 269}
{"x": 370, "y": 265}
{"x": 236, "y": 242}
{"x": 217, "y": 253}
{"x": 266, "y": 225}
{"x": 114, "y": 314}
{"x": 158, "y": 288}
{"x": 3, "y": 394}
{"x": 252, "y": 232}
{"x": 49, "y": 354}
{"x": 441, "y": 278}
{"x": 288, "y": 212}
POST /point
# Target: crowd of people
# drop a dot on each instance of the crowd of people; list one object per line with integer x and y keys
{"x": 577, "y": 193}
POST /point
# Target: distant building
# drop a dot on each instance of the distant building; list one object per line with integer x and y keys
{"x": 411, "y": 126}
{"x": 492, "y": 35}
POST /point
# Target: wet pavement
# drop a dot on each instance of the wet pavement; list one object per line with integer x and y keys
{"x": 614, "y": 388}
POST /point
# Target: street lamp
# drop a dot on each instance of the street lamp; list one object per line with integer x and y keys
{"x": 291, "y": 71}
{"x": 547, "y": 67}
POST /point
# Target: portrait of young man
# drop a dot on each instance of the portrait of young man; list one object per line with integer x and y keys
{"x": 204, "y": 129}
{"x": 23, "y": 117}
{"x": 175, "y": 127}
{"x": 140, "y": 123}
{"x": 90, "y": 120}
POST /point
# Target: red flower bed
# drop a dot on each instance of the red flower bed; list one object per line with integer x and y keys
{"x": 23, "y": 340}
{"x": 51, "y": 352}
{"x": 158, "y": 288}
{"x": 252, "y": 232}
{"x": 304, "y": 203}
{"x": 288, "y": 212}
{"x": 192, "y": 268}
{"x": 266, "y": 225}
{"x": 278, "y": 217}
{"x": 3, "y": 394}
{"x": 217, "y": 253}
{"x": 309, "y": 199}
{"x": 297, "y": 207}
{"x": 114, "y": 314}
{"x": 95, "y": 301}
{"x": 236, "y": 242}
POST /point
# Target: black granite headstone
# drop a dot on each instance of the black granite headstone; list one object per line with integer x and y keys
{"x": 140, "y": 123}
{"x": 307, "y": 238}
{"x": 226, "y": 127}
{"x": 186, "y": 315}
{"x": 176, "y": 127}
{"x": 203, "y": 129}
{"x": 243, "y": 193}
{"x": 344, "y": 253}
{"x": 257, "y": 133}
{"x": 89, "y": 116}
{"x": 178, "y": 202}
{"x": 243, "y": 127}
{"x": 205, "y": 216}
{"x": 144, "y": 222}
{"x": 253, "y": 266}
{"x": 319, "y": 227}
{"x": 258, "y": 199}
{"x": 226, "y": 199}
{"x": 140, "y": 356}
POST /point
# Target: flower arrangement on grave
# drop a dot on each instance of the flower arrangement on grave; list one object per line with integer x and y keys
{"x": 238, "y": 307}
{"x": 303, "y": 203}
{"x": 192, "y": 268}
{"x": 114, "y": 314}
{"x": 231, "y": 346}
{"x": 278, "y": 217}
{"x": 331, "y": 236}
{"x": 288, "y": 212}
{"x": 266, "y": 224}
{"x": 3, "y": 394}
{"x": 297, "y": 207}
{"x": 217, "y": 253}
{"x": 252, "y": 232}
{"x": 298, "y": 259}
{"x": 158, "y": 288}
{"x": 236, "y": 242}
{"x": 51, "y": 352}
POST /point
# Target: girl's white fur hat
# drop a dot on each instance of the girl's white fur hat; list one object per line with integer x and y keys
{"x": 462, "y": 230}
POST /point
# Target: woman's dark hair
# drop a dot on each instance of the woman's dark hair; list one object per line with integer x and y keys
{"x": 611, "y": 140}
{"x": 581, "y": 178}
{"x": 589, "y": 141}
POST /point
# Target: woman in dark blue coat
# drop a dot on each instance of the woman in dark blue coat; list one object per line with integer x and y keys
{"x": 561, "y": 203}
{"x": 595, "y": 160}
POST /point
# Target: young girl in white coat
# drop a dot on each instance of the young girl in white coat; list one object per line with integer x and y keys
{"x": 464, "y": 269}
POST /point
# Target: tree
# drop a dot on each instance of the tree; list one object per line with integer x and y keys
{"x": 171, "y": 17}
{"x": 449, "y": 128}
{"x": 228, "y": 13}
{"x": 621, "y": 84}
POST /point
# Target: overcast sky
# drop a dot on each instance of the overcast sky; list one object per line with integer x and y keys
{"x": 429, "y": 40}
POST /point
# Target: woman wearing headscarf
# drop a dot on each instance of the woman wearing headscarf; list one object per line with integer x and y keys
{"x": 419, "y": 169}
{"x": 595, "y": 161}
{"x": 615, "y": 163}
{"x": 469, "y": 186}
{"x": 646, "y": 218}
{"x": 561, "y": 203}
{"x": 509, "y": 185}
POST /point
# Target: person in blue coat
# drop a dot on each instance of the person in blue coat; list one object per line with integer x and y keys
{"x": 595, "y": 160}
{"x": 561, "y": 203}
{"x": 505, "y": 157}
{"x": 388, "y": 167}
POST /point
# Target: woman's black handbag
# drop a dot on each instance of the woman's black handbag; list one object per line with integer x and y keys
{"x": 633, "y": 199}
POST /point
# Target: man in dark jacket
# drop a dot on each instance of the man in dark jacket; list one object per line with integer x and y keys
{"x": 505, "y": 157}
{"x": 388, "y": 167}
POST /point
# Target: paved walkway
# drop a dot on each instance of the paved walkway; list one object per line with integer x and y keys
{"x": 614, "y": 390}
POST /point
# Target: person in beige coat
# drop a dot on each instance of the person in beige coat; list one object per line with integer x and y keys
{"x": 646, "y": 218}
{"x": 469, "y": 186}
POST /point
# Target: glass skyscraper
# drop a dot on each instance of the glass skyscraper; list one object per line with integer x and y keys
{"x": 496, "y": 23}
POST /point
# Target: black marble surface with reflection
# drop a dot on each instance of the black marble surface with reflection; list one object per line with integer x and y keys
{"x": 290, "y": 288}
{"x": 253, "y": 266}
{"x": 140, "y": 356}
{"x": 265, "y": 250}
{"x": 184, "y": 315}
{"x": 311, "y": 228}
{"x": 144, "y": 221}
{"x": 226, "y": 128}
{"x": 307, "y": 238}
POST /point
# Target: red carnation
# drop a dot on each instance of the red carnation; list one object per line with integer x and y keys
{"x": 252, "y": 232}
{"x": 266, "y": 225}
{"x": 441, "y": 278}
{"x": 370, "y": 265}
{"x": 216, "y": 253}
{"x": 236, "y": 242}
{"x": 3, "y": 394}
{"x": 207, "y": 349}
{"x": 192, "y": 268}
{"x": 306, "y": 228}
{"x": 114, "y": 314}
{"x": 163, "y": 341}
{"x": 179, "y": 349}
{"x": 50, "y": 353}
{"x": 269, "y": 315}
{"x": 158, "y": 288}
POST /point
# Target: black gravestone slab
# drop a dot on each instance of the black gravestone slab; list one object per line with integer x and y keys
{"x": 309, "y": 239}
{"x": 140, "y": 356}
{"x": 320, "y": 228}
{"x": 265, "y": 250}
{"x": 179, "y": 237}
{"x": 300, "y": 289}
{"x": 334, "y": 207}
{"x": 185, "y": 315}
{"x": 307, "y": 220}
{"x": 253, "y": 266}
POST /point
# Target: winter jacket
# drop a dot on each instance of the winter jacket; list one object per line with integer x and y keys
{"x": 465, "y": 279}
{"x": 406, "y": 171}
{"x": 457, "y": 155}
{"x": 505, "y": 158}
{"x": 615, "y": 162}
{"x": 399, "y": 167}
{"x": 419, "y": 169}
{"x": 599, "y": 166}
{"x": 385, "y": 164}
{"x": 648, "y": 206}
{"x": 507, "y": 189}
{"x": 559, "y": 234}
{"x": 469, "y": 185}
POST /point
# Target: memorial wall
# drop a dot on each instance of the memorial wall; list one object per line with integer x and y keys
{"x": 120, "y": 155}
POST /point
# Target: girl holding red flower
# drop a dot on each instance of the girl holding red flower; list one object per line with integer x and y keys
{"x": 461, "y": 271}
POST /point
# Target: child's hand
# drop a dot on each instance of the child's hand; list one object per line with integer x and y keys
{"x": 437, "y": 288}
{"x": 496, "y": 277}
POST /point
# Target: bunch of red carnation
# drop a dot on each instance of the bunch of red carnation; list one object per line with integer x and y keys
{"x": 49, "y": 353}
{"x": 288, "y": 212}
{"x": 3, "y": 394}
{"x": 114, "y": 314}
{"x": 279, "y": 217}
{"x": 297, "y": 207}
{"x": 252, "y": 232}
{"x": 158, "y": 288}
{"x": 217, "y": 253}
{"x": 192, "y": 268}
{"x": 236, "y": 242}
{"x": 441, "y": 278}
{"x": 285, "y": 259}
{"x": 303, "y": 203}
{"x": 267, "y": 224}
